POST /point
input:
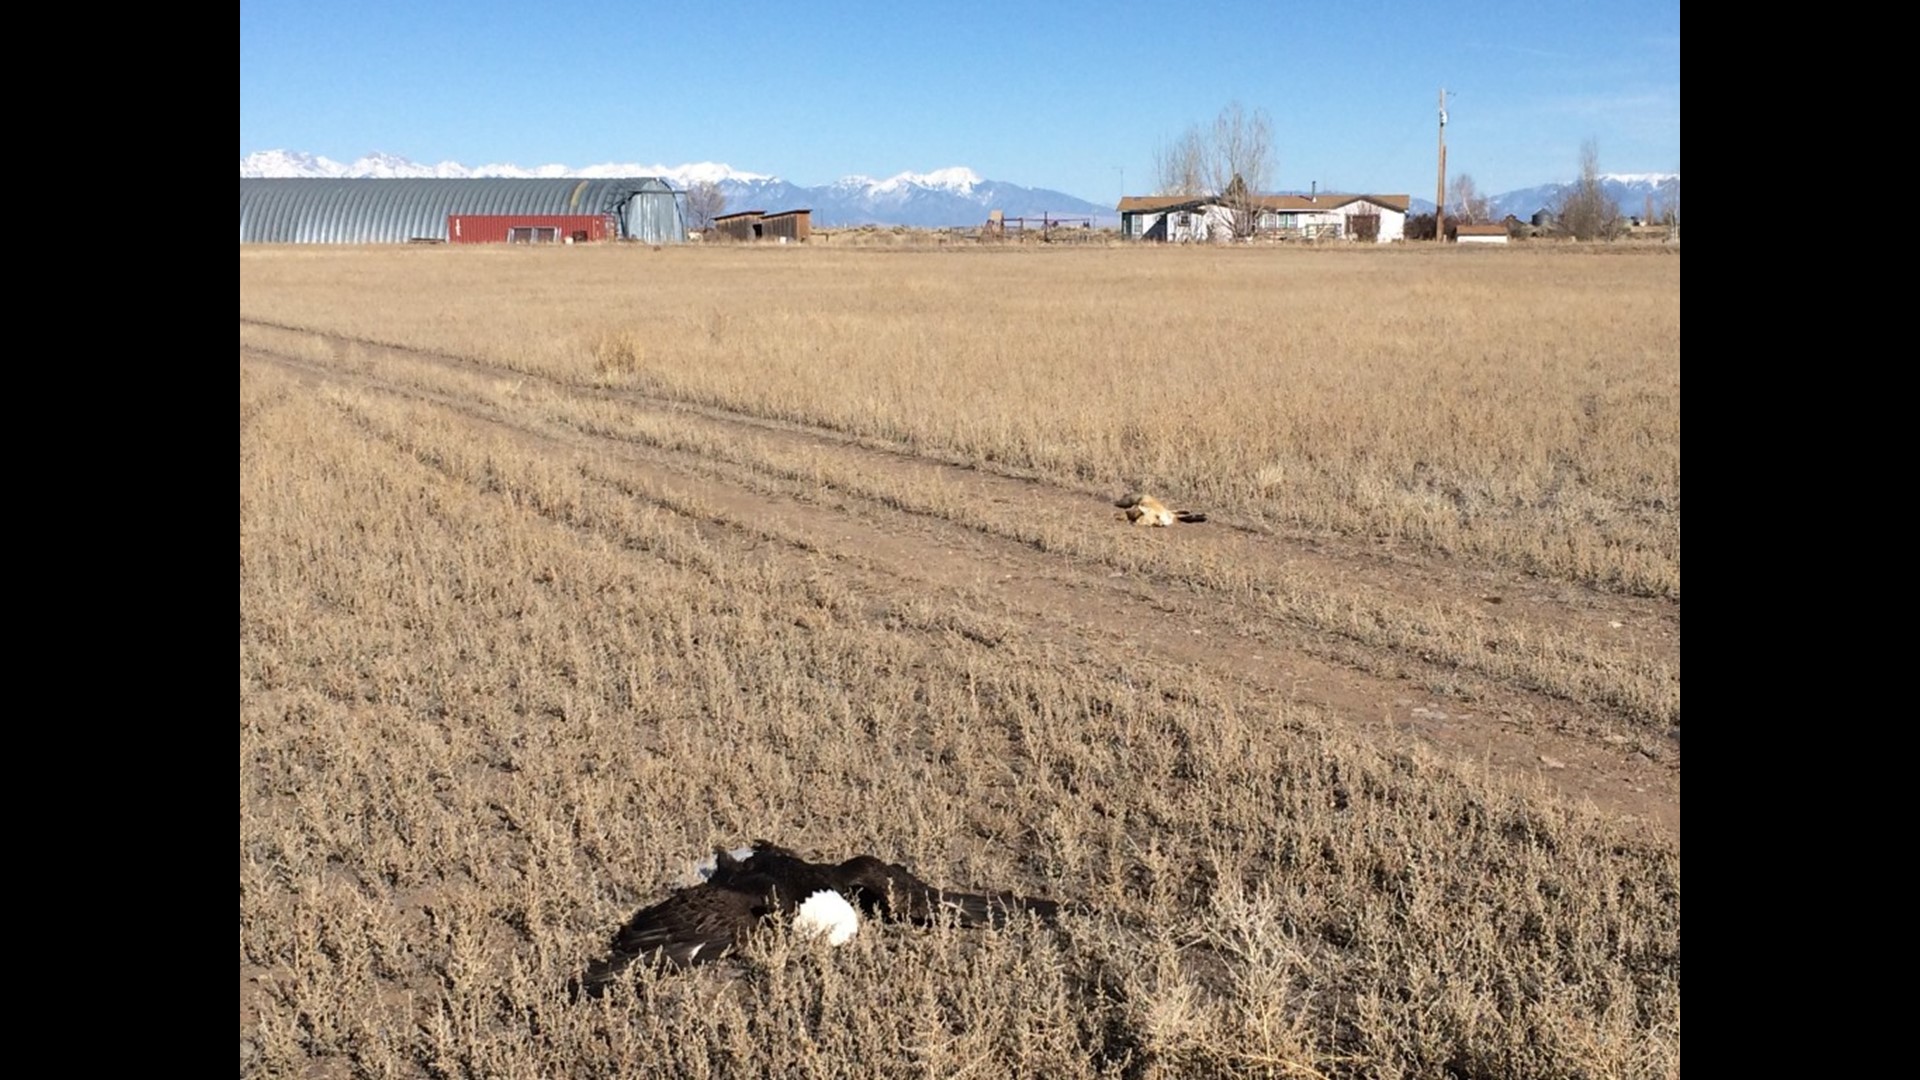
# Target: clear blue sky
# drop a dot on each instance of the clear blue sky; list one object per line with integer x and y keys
{"x": 1062, "y": 96}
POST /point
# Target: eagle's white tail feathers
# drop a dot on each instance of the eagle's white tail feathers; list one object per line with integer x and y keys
{"x": 826, "y": 914}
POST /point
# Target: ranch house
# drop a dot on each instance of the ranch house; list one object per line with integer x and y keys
{"x": 1184, "y": 219}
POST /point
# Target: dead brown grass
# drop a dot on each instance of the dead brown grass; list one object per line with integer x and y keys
{"x": 1588, "y": 667}
{"x": 1521, "y": 406}
{"x": 498, "y": 688}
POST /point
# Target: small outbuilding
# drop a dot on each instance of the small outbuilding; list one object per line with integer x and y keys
{"x": 1481, "y": 234}
{"x": 787, "y": 226}
{"x": 530, "y": 228}
{"x": 739, "y": 225}
{"x": 781, "y": 227}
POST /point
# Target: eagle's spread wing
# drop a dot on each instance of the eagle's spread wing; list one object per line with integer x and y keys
{"x": 690, "y": 927}
{"x": 990, "y": 909}
{"x": 894, "y": 890}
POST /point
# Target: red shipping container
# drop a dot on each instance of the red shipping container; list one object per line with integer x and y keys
{"x": 529, "y": 228}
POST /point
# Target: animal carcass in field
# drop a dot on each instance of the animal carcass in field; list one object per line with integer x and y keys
{"x": 1147, "y": 510}
{"x": 748, "y": 888}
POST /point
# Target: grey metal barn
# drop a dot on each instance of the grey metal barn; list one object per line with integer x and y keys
{"x": 325, "y": 211}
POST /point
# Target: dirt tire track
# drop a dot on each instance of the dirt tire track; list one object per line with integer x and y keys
{"x": 1090, "y": 610}
{"x": 1653, "y": 623}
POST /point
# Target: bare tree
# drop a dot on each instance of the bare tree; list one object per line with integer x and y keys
{"x": 1177, "y": 165}
{"x": 1239, "y": 166}
{"x": 1467, "y": 205}
{"x": 705, "y": 201}
{"x": 1231, "y": 159}
{"x": 1585, "y": 210}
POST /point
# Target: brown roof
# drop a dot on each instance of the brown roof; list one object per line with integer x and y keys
{"x": 1495, "y": 229}
{"x": 1326, "y": 200}
{"x": 740, "y": 214}
{"x": 1136, "y": 204}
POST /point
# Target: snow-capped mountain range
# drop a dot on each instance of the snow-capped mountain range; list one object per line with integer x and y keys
{"x": 955, "y": 196}
{"x": 944, "y": 197}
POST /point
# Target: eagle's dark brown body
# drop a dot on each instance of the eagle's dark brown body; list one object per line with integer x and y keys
{"x": 707, "y": 921}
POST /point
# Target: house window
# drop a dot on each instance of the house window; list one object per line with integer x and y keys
{"x": 1183, "y": 219}
{"x": 532, "y": 234}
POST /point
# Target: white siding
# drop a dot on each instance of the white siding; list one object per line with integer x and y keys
{"x": 1393, "y": 223}
{"x": 1187, "y": 226}
{"x": 1212, "y": 224}
{"x": 1323, "y": 222}
{"x": 1215, "y": 224}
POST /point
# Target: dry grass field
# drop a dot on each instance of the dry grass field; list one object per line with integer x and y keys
{"x": 560, "y": 567}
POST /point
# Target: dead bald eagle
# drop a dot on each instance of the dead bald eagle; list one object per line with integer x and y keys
{"x": 749, "y": 887}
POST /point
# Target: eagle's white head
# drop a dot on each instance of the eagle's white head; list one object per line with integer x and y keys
{"x": 703, "y": 870}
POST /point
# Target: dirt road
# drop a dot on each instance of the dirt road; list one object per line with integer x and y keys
{"x": 1005, "y": 552}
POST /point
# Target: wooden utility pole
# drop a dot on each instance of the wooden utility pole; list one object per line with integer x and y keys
{"x": 1440, "y": 186}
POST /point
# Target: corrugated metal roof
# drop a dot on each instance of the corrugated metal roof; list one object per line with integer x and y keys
{"x": 325, "y": 211}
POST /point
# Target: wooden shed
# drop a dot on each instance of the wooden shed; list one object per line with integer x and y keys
{"x": 787, "y": 226}
{"x": 744, "y": 225}
{"x": 1481, "y": 234}
{"x": 783, "y": 227}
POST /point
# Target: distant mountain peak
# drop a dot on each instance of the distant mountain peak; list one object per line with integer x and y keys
{"x": 707, "y": 172}
{"x": 953, "y": 178}
{"x": 1653, "y": 179}
{"x": 380, "y": 164}
{"x": 268, "y": 163}
{"x": 951, "y": 196}
{"x": 956, "y": 178}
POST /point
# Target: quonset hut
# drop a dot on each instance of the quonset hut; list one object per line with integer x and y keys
{"x": 327, "y": 211}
